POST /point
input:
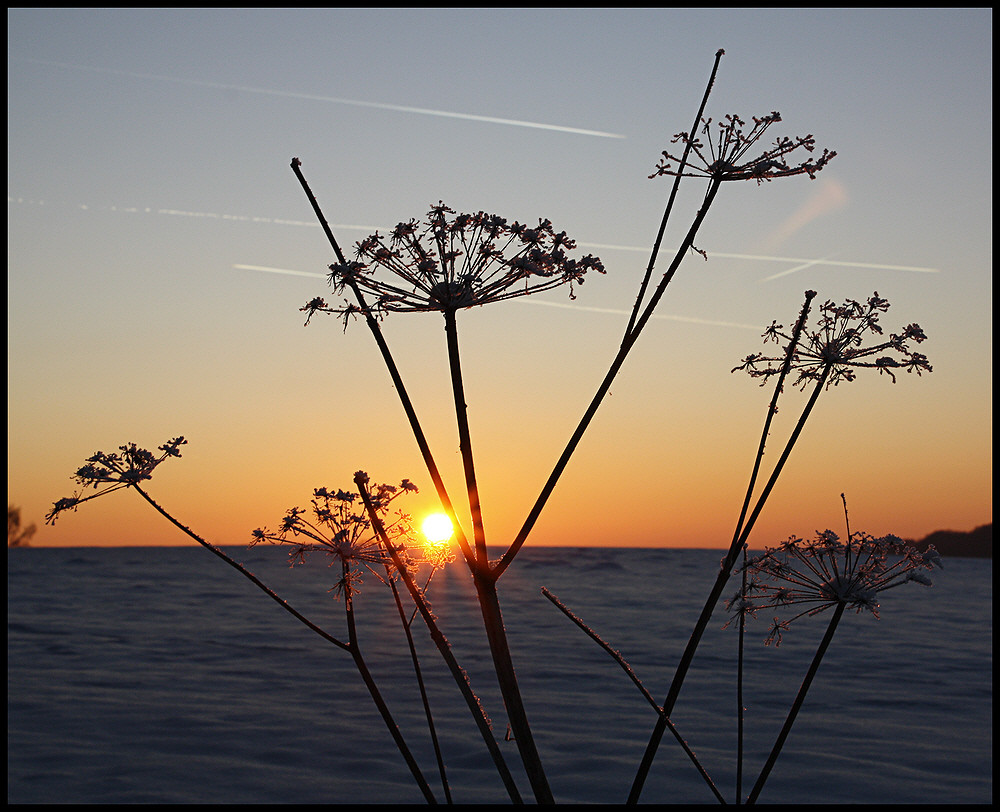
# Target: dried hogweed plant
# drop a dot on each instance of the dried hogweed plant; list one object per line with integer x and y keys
{"x": 449, "y": 262}
{"x": 353, "y": 530}
{"x": 836, "y": 349}
{"x": 339, "y": 527}
{"x": 452, "y": 261}
{"x": 730, "y": 152}
{"x": 819, "y": 574}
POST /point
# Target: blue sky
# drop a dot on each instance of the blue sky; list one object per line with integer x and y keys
{"x": 148, "y": 180}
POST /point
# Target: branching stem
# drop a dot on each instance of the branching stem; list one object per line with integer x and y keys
{"x": 673, "y": 195}
{"x": 618, "y": 658}
{"x": 443, "y": 646}
{"x": 720, "y": 584}
{"x": 351, "y": 646}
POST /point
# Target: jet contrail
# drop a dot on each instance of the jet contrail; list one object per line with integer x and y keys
{"x": 800, "y": 262}
{"x": 289, "y": 94}
{"x": 286, "y": 271}
{"x": 796, "y": 269}
{"x": 805, "y": 263}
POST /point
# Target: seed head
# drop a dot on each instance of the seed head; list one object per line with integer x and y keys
{"x": 731, "y": 152}
{"x": 453, "y": 261}
{"x": 837, "y": 346}
{"x": 823, "y": 571}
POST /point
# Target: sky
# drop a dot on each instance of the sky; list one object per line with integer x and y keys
{"x": 159, "y": 250}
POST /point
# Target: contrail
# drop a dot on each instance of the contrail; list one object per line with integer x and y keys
{"x": 800, "y": 267}
{"x": 286, "y": 271}
{"x": 804, "y": 263}
{"x": 837, "y": 263}
{"x": 800, "y": 262}
{"x": 288, "y": 94}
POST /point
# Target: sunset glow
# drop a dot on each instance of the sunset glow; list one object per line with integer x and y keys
{"x": 437, "y": 528}
{"x": 157, "y": 274}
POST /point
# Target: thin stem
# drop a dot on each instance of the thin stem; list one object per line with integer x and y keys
{"x": 443, "y": 646}
{"x": 465, "y": 437}
{"x": 617, "y": 657}
{"x": 797, "y": 704}
{"x": 350, "y": 646}
{"x": 394, "y": 374}
{"x": 244, "y": 571}
{"x": 432, "y": 729}
{"x": 369, "y": 680}
{"x": 720, "y": 583}
{"x": 739, "y": 688}
{"x": 605, "y": 385}
{"x": 772, "y": 409}
{"x": 673, "y": 195}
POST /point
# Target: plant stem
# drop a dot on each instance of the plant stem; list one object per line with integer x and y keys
{"x": 605, "y": 385}
{"x": 713, "y": 598}
{"x": 383, "y": 709}
{"x": 244, "y": 571}
{"x": 503, "y": 665}
{"x": 486, "y": 590}
{"x": 739, "y": 688}
{"x": 772, "y": 409}
{"x": 350, "y": 646}
{"x": 673, "y": 194}
{"x": 443, "y": 646}
{"x": 617, "y": 657}
{"x": 465, "y": 437}
{"x": 797, "y": 704}
{"x": 432, "y": 729}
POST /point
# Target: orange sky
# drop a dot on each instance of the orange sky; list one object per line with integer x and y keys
{"x": 153, "y": 178}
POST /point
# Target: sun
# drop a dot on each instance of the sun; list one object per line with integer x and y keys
{"x": 437, "y": 528}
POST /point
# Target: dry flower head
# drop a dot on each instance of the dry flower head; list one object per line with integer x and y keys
{"x": 452, "y": 261}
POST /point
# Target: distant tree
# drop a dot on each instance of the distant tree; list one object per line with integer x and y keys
{"x": 16, "y": 536}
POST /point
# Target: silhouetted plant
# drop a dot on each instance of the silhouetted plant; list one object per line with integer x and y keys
{"x": 347, "y": 544}
{"x": 723, "y": 156}
{"x": 822, "y": 357}
{"x": 454, "y": 261}
{"x": 814, "y": 575}
{"x": 834, "y": 350}
{"x": 450, "y": 262}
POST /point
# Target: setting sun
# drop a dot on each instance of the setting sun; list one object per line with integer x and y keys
{"x": 437, "y": 528}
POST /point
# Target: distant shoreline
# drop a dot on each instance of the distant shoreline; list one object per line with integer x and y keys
{"x": 976, "y": 543}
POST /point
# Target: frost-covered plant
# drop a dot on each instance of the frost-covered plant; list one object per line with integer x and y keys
{"x": 824, "y": 572}
{"x": 827, "y": 354}
{"x": 811, "y": 576}
{"x": 450, "y": 262}
{"x": 730, "y": 152}
{"x": 340, "y": 528}
{"x": 110, "y": 472}
{"x": 134, "y": 466}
